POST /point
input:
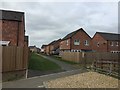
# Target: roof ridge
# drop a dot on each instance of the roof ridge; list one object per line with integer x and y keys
{"x": 107, "y": 33}
{"x": 72, "y": 33}
{"x": 15, "y": 11}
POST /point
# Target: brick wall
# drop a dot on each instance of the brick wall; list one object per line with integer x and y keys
{"x": 102, "y": 46}
{"x": 47, "y": 50}
{"x": 13, "y": 31}
{"x": 82, "y": 36}
{"x": 51, "y": 48}
{"x": 63, "y": 44}
{"x": 114, "y": 47}
{"x": 0, "y": 30}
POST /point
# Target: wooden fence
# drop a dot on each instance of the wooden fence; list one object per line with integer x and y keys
{"x": 110, "y": 66}
{"x": 72, "y": 56}
{"x": 102, "y": 61}
{"x": 89, "y": 57}
{"x": 14, "y": 58}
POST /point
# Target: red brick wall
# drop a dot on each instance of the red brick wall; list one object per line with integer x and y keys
{"x": 114, "y": 47}
{"x": 57, "y": 44}
{"x": 47, "y": 50}
{"x": 102, "y": 43}
{"x": 51, "y": 48}
{"x": 64, "y": 46}
{"x": 0, "y": 30}
{"x": 104, "y": 46}
{"x": 10, "y": 30}
{"x": 54, "y": 46}
{"x": 21, "y": 32}
{"x": 82, "y": 36}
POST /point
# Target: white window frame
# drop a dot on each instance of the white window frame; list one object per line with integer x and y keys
{"x": 86, "y": 43}
{"x": 76, "y": 42}
{"x": 4, "y": 43}
{"x": 111, "y": 43}
{"x": 117, "y": 44}
{"x": 67, "y": 42}
{"x": 98, "y": 44}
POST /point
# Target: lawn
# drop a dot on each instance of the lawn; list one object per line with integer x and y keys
{"x": 37, "y": 62}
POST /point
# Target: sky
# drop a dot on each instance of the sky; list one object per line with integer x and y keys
{"x": 48, "y": 21}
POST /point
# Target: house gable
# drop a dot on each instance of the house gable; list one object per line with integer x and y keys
{"x": 81, "y": 36}
{"x": 99, "y": 43}
{"x": 67, "y": 42}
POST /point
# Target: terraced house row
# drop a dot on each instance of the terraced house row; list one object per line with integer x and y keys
{"x": 80, "y": 41}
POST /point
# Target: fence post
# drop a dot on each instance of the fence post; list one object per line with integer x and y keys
{"x": 84, "y": 60}
{"x": 110, "y": 68}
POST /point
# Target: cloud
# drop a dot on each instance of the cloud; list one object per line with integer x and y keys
{"x": 47, "y": 21}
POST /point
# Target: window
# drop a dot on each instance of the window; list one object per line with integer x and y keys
{"x": 111, "y": 43}
{"x": 67, "y": 42}
{"x": 117, "y": 44}
{"x": 4, "y": 43}
{"x": 77, "y": 42}
{"x": 86, "y": 43}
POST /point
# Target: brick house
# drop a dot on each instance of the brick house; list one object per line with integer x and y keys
{"x": 43, "y": 48}
{"x": 47, "y": 50}
{"x": 54, "y": 47}
{"x": 13, "y": 28}
{"x": 33, "y": 48}
{"x": 106, "y": 42}
{"x": 78, "y": 40}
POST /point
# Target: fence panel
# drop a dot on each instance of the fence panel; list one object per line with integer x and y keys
{"x": 8, "y": 59}
{"x": 14, "y": 58}
{"x": 26, "y": 57}
{"x": 103, "y": 61}
{"x": 19, "y": 58}
{"x": 88, "y": 57}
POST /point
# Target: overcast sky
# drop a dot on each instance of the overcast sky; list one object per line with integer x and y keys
{"x": 48, "y": 21}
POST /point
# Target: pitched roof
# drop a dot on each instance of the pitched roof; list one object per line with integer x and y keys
{"x": 11, "y": 15}
{"x": 43, "y": 46}
{"x": 109, "y": 36}
{"x": 55, "y": 41}
{"x": 73, "y": 33}
{"x": 32, "y": 46}
{"x": 51, "y": 43}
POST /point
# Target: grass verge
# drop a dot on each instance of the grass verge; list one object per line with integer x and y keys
{"x": 37, "y": 62}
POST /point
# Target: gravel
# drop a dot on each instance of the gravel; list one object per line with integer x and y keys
{"x": 84, "y": 80}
